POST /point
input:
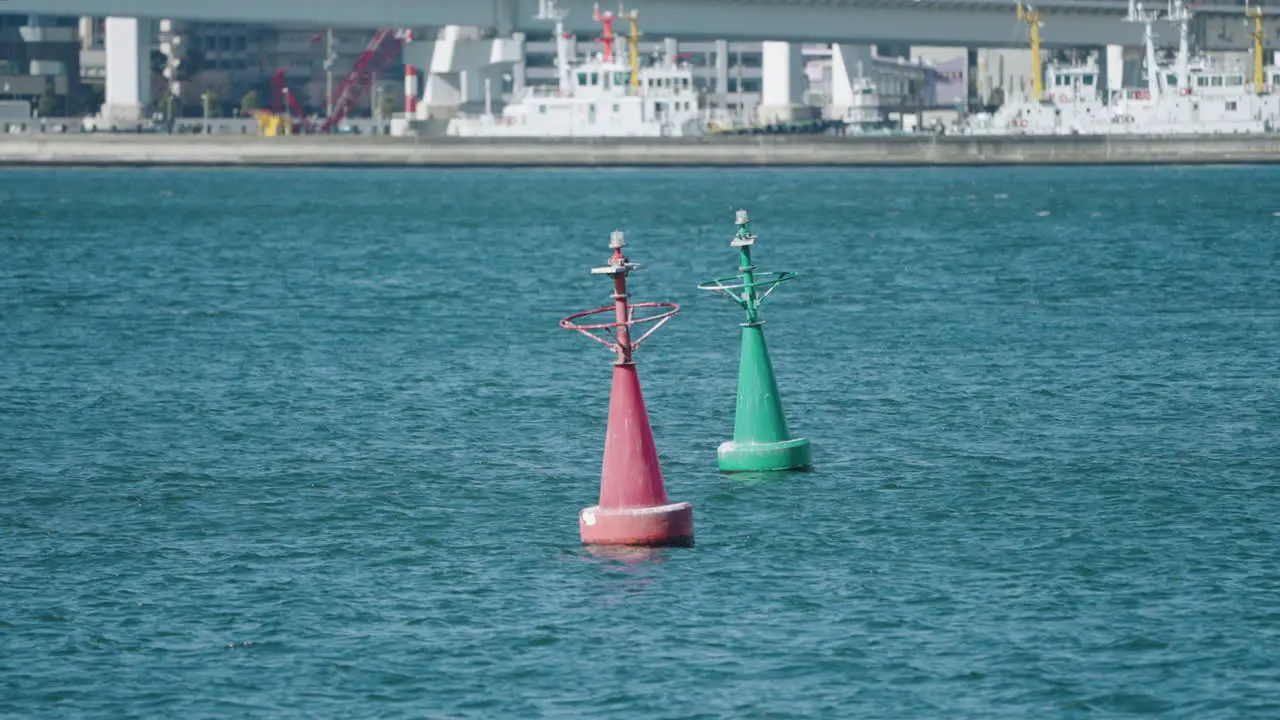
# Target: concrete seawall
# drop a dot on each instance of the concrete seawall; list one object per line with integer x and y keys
{"x": 356, "y": 151}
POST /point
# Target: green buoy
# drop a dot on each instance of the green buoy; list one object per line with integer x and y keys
{"x": 761, "y": 440}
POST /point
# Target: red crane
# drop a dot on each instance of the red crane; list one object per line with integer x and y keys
{"x": 279, "y": 90}
{"x": 381, "y": 51}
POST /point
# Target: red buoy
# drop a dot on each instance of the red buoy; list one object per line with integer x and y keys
{"x": 633, "y": 508}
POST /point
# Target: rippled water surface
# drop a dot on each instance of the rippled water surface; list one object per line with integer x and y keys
{"x": 310, "y": 444}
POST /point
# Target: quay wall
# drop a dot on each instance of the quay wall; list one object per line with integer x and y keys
{"x": 103, "y": 149}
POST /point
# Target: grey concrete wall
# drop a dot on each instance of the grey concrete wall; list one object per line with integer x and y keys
{"x": 213, "y": 150}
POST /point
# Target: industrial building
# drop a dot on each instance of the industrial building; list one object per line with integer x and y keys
{"x": 66, "y": 56}
{"x": 59, "y": 65}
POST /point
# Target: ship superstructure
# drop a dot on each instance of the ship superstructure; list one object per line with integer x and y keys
{"x": 598, "y": 97}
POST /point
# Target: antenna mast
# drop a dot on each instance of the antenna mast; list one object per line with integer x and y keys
{"x": 634, "y": 45}
{"x": 1031, "y": 17}
{"x": 606, "y": 20}
{"x": 547, "y": 10}
{"x": 1259, "y": 80}
{"x": 1179, "y": 13}
{"x": 1147, "y": 18}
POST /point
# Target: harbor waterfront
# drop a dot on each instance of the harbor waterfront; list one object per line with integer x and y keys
{"x": 760, "y": 150}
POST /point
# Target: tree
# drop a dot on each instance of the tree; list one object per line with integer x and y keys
{"x": 212, "y": 104}
{"x": 94, "y": 97}
{"x": 168, "y": 105}
{"x": 389, "y": 105}
{"x": 48, "y": 103}
{"x": 249, "y": 102}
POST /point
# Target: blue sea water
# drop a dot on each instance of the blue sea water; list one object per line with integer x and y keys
{"x": 281, "y": 444}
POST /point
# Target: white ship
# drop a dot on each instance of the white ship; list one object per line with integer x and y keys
{"x": 1073, "y": 104}
{"x": 599, "y": 97}
{"x": 1191, "y": 96}
{"x": 864, "y": 113}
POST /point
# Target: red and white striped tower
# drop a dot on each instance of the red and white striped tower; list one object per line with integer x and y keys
{"x": 410, "y": 80}
{"x": 410, "y": 89}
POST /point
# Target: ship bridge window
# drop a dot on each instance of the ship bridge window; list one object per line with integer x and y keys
{"x": 582, "y": 78}
{"x": 1171, "y": 80}
{"x": 1234, "y": 80}
{"x": 595, "y": 78}
{"x": 1275, "y": 79}
{"x": 621, "y": 78}
{"x": 1231, "y": 105}
{"x": 1088, "y": 81}
{"x": 684, "y": 82}
{"x": 1202, "y": 82}
{"x": 1215, "y": 80}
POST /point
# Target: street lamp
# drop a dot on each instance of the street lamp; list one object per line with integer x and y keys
{"x": 284, "y": 110}
{"x": 206, "y": 98}
{"x": 330, "y": 56}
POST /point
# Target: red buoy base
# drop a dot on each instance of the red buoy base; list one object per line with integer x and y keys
{"x": 662, "y": 525}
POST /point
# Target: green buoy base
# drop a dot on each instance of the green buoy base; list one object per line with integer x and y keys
{"x": 756, "y": 457}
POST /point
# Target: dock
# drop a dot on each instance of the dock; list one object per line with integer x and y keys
{"x": 110, "y": 149}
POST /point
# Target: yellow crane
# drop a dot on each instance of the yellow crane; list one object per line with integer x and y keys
{"x": 1031, "y": 17}
{"x": 633, "y": 42}
{"x": 1259, "y": 81}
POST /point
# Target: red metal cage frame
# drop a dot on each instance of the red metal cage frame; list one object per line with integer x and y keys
{"x": 609, "y": 327}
